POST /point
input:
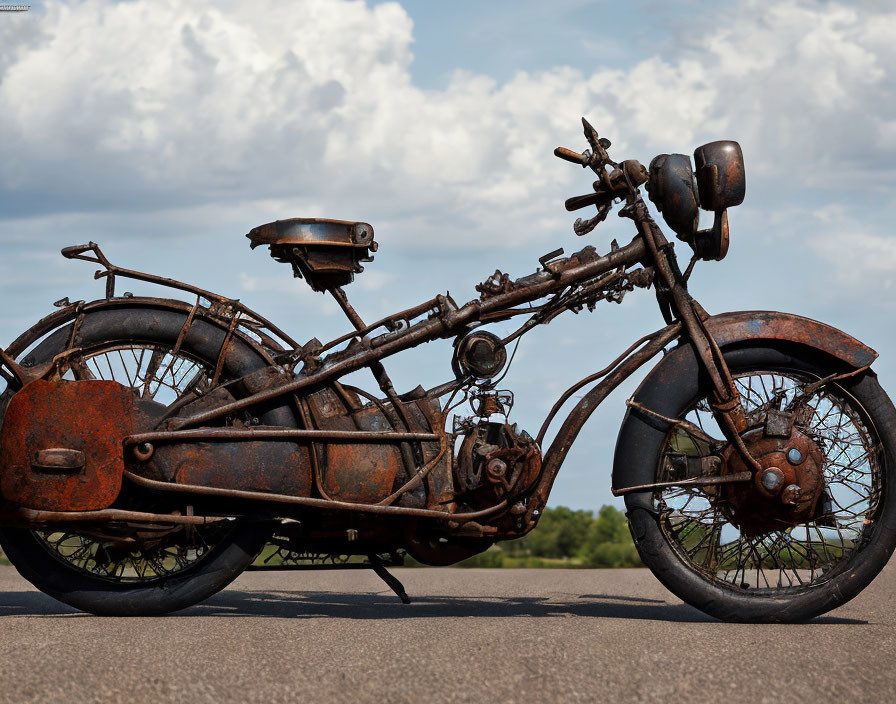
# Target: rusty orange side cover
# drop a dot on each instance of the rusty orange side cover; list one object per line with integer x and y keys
{"x": 61, "y": 445}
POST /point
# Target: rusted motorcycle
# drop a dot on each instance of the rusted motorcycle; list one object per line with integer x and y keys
{"x": 151, "y": 448}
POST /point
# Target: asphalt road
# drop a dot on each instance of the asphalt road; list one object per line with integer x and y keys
{"x": 470, "y": 635}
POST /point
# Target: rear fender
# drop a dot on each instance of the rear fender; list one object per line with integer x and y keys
{"x": 69, "y": 313}
{"x": 37, "y": 346}
{"x": 680, "y": 366}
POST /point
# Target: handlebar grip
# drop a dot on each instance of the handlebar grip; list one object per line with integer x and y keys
{"x": 75, "y": 250}
{"x": 598, "y": 199}
{"x": 571, "y": 156}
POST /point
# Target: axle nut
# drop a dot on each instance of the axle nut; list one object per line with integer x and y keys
{"x": 794, "y": 456}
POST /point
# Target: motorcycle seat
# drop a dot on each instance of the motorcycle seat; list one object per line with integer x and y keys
{"x": 326, "y": 253}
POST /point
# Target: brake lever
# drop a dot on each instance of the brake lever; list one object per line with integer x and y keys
{"x": 599, "y": 145}
{"x": 583, "y": 227}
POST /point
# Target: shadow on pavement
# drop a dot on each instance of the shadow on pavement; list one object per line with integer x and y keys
{"x": 33, "y": 604}
{"x": 281, "y": 604}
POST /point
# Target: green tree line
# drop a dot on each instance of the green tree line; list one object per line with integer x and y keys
{"x": 567, "y": 538}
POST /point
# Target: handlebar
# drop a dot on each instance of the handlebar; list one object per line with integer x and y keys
{"x": 620, "y": 182}
{"x": 571, "y": 156}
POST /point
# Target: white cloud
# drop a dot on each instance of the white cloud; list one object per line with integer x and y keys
{"x": 144, "y": 105}
{"x": 861, "y": 258}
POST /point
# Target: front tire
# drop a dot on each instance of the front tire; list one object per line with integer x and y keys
{"x": 686, "y": 535}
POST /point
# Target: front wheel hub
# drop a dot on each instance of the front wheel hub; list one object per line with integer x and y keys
{"x": 784, "y": 491}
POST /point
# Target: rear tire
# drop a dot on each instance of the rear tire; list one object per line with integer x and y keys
{"x": 79, "y": 589}
{"x": 195, "y": 567}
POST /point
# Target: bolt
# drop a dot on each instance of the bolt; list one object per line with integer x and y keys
{"x": 351, "y": 534}
{"x": 144, "y": 451}
{"x": 772, "y": 479}
{"x": 791, "y": 494}
{"x": 794, "y": 456}
{"x": 497, "y": 467}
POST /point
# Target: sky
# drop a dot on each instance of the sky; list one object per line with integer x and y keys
{"x": 166, "y": 130}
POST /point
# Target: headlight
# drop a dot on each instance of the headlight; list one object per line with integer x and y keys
{"x": 672, "y": 188}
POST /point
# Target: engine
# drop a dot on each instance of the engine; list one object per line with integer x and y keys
{"x": 495, "y": 461}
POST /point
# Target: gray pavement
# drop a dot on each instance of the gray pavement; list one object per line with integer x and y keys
{"x": 470, "y": 635}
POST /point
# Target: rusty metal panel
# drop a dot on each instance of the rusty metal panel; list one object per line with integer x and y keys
{"x": 426, "y": 413}
{"x": 61, "y": 445}
{"x": 360, "y": 473}
{"x": 357, "y": 473}
{"x": 729, "y": 328}
{"x": 261, "y": 465}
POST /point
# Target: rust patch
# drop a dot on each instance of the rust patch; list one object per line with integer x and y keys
{"x": 360, "y": 473}
{"x": 264, "y": 466}
{"x": 61, "y": 446}
{"x": 783, "y": 493}
{"x": 729, "y": 328}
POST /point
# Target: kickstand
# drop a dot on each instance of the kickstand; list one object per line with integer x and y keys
{"x": 389, "y": 579}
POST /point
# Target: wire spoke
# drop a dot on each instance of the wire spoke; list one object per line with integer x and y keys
{"x": 120, "y": 553}
{"x": 703, "y": 527}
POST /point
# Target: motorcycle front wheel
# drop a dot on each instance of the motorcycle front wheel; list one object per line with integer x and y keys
{"x": 692, "y": 539}
{"x": 116, "y": 570}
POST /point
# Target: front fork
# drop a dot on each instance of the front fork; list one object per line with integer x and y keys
{"x": 726, "y": 406}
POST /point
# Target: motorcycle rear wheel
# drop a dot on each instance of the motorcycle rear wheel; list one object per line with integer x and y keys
{"x": 138, "y": 348}
{"x": 793, "y": 574}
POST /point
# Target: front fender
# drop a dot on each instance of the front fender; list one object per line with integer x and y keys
{"x": 743, "y": 326}
{"x": 681, "y": 368}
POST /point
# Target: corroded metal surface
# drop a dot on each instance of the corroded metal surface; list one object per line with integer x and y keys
{"x": 61, "y": 445}
{"x": 784, "y": 492}
{"x": 261, "y": 465}
{"x": 730, "y": 328}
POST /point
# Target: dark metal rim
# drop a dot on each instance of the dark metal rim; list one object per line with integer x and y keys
{"x": 155, "y": 562}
